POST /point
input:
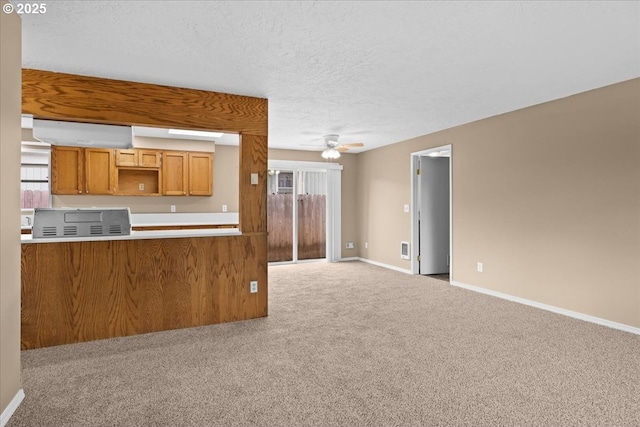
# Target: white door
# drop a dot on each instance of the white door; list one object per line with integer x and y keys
{"x": 433, "y": 215}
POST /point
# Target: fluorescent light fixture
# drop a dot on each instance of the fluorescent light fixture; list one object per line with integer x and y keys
{"x": 186, "y": 132}
{"x": 330, "y": 153}
{"x": 434, "y": 154}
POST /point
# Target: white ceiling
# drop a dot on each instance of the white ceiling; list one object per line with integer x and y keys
{"x": 376, "y": 72}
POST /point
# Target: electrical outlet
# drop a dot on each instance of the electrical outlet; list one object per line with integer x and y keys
{"x": 253, "y": 286}
{"x": 224, "y": 208}
{"x": 480, "y": 267}
{"x": 141, "y": 186}
{"x": 254, "y": 179}
{"x": 349, "y": 245}
{"x": 173, "y": 208}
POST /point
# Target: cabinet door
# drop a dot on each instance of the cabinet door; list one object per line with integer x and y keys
{"x": 66, "y": 170}
{"x": 200, "y": 174}
{"x": 126, "y": 158}
{"x": 174, "y": 173}
{"x": 148, "y": 158}
{"x": 99, "y": 171}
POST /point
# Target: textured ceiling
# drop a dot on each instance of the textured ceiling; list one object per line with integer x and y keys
{"x": 375, "y": 72}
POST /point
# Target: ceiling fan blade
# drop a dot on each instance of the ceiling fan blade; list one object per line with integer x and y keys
{"x": 353, "y": 144}
{"x": 342, "y": 148}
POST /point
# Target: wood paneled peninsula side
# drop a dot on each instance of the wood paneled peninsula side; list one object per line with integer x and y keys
{"x": 86, "y": 289}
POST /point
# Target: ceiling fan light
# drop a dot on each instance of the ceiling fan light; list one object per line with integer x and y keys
{"x": 330, "y": 153}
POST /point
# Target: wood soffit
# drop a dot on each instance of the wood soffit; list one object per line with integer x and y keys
{"x": 62, "y": 96}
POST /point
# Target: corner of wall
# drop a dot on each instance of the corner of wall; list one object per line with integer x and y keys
{"x": 10, "y": 135}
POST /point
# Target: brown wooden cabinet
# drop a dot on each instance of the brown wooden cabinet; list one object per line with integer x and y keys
{"x": 126, "y": 157}
{"x": 174, "y": 173}
{"x": 77, "y": 170}
{"x": 138, "y": 158}
{"x": 67, "y": 170}
{"x": 133, "y": 172}
{"x": 138, "y": 172}
{"x": 200, "y": 174}
{"x": 100, "y": 171}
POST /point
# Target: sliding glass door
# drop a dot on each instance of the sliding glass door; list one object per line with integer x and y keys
{"x": 303, "y": 211}
{"x": 311, "y": 215}
{"x": 280, "y": 215}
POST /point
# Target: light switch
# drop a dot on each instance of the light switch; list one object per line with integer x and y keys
{"x": 406, "y": 208}
{"x": 254, "y": 179}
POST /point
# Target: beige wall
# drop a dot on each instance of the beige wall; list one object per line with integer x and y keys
{"x": 10, "y": 84}
{"x": 225, "y": 183}
{"x": 349, "y": 163}
{"x": 547, "y": 197}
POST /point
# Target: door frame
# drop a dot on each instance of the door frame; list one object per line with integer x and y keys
{"x": 415, "y": 230}
{"x": 333, "y": 213}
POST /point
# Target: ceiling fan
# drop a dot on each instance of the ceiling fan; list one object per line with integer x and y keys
{"x": 332, "y": 148}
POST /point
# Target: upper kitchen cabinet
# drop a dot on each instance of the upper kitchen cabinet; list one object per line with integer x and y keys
{"x": 175, "y": 173}
{"x": 133, "y": 172}
{"x": 149, "y": 158}
{"x": 138, "y": 172}
{"x": 187, "y": 173}
{"x": 200, "y": 174}
{"x": 100, "y": 171}
{"x": 67, "y": 170}
{"x": 77, "y": 170}
{"x": 138, "y": 158}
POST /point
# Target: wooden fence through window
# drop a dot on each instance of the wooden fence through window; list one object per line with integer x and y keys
{"x": 311, "y": 226}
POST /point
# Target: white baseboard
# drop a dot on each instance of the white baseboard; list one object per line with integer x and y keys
{"x": 380, "y": 264}
{"x": 554, "y": 309}
{"x": 353, "y": 258}
{"x": 11, "y": 408}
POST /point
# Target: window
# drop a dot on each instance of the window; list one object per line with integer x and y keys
{"x": 35, "y": 191}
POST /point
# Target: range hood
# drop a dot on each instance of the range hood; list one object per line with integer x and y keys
{"x": 82, "y": 134}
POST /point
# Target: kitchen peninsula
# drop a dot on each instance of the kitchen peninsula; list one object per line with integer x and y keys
{"x": 83, "y": 289}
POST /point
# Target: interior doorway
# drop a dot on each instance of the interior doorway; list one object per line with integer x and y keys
{"x": 431, "y": 225}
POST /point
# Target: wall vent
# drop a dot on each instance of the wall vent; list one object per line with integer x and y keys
{"x": 404, "y": 250}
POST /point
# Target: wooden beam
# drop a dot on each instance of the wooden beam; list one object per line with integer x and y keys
{"x": 62, "y": 96}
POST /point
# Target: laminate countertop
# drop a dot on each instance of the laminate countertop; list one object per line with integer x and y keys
{"x": 152, "y": 234}
{"x": 193, "y": 220}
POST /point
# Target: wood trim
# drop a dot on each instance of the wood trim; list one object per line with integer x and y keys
{"x": 62, "y": 96}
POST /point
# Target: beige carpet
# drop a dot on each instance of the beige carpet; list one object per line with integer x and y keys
{"x": 348, "y": 344}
